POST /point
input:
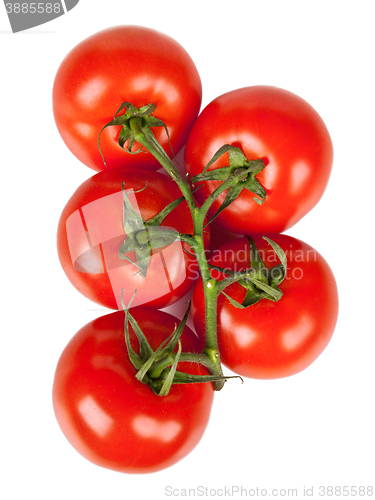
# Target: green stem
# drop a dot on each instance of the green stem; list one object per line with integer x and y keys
{"x": 233, "y": 278}
{"x": 238, "y": 176}
{"x": 210, "y": 356}
{"x": 167, "y": 361}
{"x": 215, "y": 194}
{"x": 211, "y": 348}
{"x": 149, "y": 142}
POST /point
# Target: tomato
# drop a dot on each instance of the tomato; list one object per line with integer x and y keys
{"x": 273, "y": 339}
{"x": 91, "y": 230}
{"x": 124, "y": 64}
{"x": 284, "y": 131}
{"x": 110, "y": 417}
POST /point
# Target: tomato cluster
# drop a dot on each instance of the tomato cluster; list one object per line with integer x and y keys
{"x": 257, "y": 159}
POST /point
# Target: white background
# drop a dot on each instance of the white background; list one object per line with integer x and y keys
{"x": 313, "y": 429}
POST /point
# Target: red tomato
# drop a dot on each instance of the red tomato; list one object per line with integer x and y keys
{"x": 273, "y": 339}
{"x": 124, "y": 64}
{"x": 110, "y": 417}
{"x": 278, "y": 127}
{"x": 91, "y": 230}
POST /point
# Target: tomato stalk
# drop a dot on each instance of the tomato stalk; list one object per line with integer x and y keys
{"x": 147, "y": 139}
{"x": 211, "y": 349}
{"x": 159, "y": 369}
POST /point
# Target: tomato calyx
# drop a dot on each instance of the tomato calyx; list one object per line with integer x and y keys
{"x": 240, "y": 174}
{"x": 142, "y": 238}
{"x": 158, "y": 368}
{"x": 136, "y": 127}
{"x": 145, "y": 236}
{"x": 258, "y": 281}
{"x": 133, "y": 120}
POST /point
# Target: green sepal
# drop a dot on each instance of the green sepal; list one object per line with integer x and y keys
{"x": 154, "y": 237}
{"x": 124, "y": 135}
{"x": 252, "y": 168}
{"x": 126, "y": 132}
{"x": 256, "y": 290}
{"x": 142, "y": 111}
{"x": 248, "y": 182}
{"x": 276, "y": 275}
{"x": 223, "y": 270}
{"x": 178, "y": 331}
{"x": 132, "y": 220}
{"x": 158, "y": 237}
{"x": 150, "y": 361}
{"x": 133, "y": 224}
{"x": 146, "y": 360}
{"x": 165, "y": 348}
{"x": 145, "y": 236}
{"x": 232, "y": 194}
{"x": 144, "y": 347}
{"x": 256, "y": 262}
{"x": 131, "y": 144}
{"x": 161, "y": 377}
{"x": 220, "y": 152}
{"x": 142, "y": 260}
{"x": 169, "y": 379}
{"x": 218, "y": 174}
{"x": 236, "y": 160}
{"x": 241, "y": 171}
{"x": 253, "y": 294}
{"x": 235, "y": 303}
{"x": 137, "y": 360}
{"x": 158, "y": 218}
{"x": 263, "y": 282}
{"x": 271, "y": 293}
{"x": 187, "y": 378}
{"x": 152, "y": 121}
{"x": 275, "y": 278}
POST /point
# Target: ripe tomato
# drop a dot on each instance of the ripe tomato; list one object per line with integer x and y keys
{"x": 273, "y": 339}
{"x": 124, "y": 64}
{"x": 110, "y": 417}
{"x": 286, "y": 133}
{"x": 91, "y": 230}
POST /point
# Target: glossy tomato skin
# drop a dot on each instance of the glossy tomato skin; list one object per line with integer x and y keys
{"x": 282, "y": 129}
{"x": 124, "y": 64}
{"x": 274, "y": 339}
{"x": 112, "y": 419}
{"x": 90, "y": 232}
